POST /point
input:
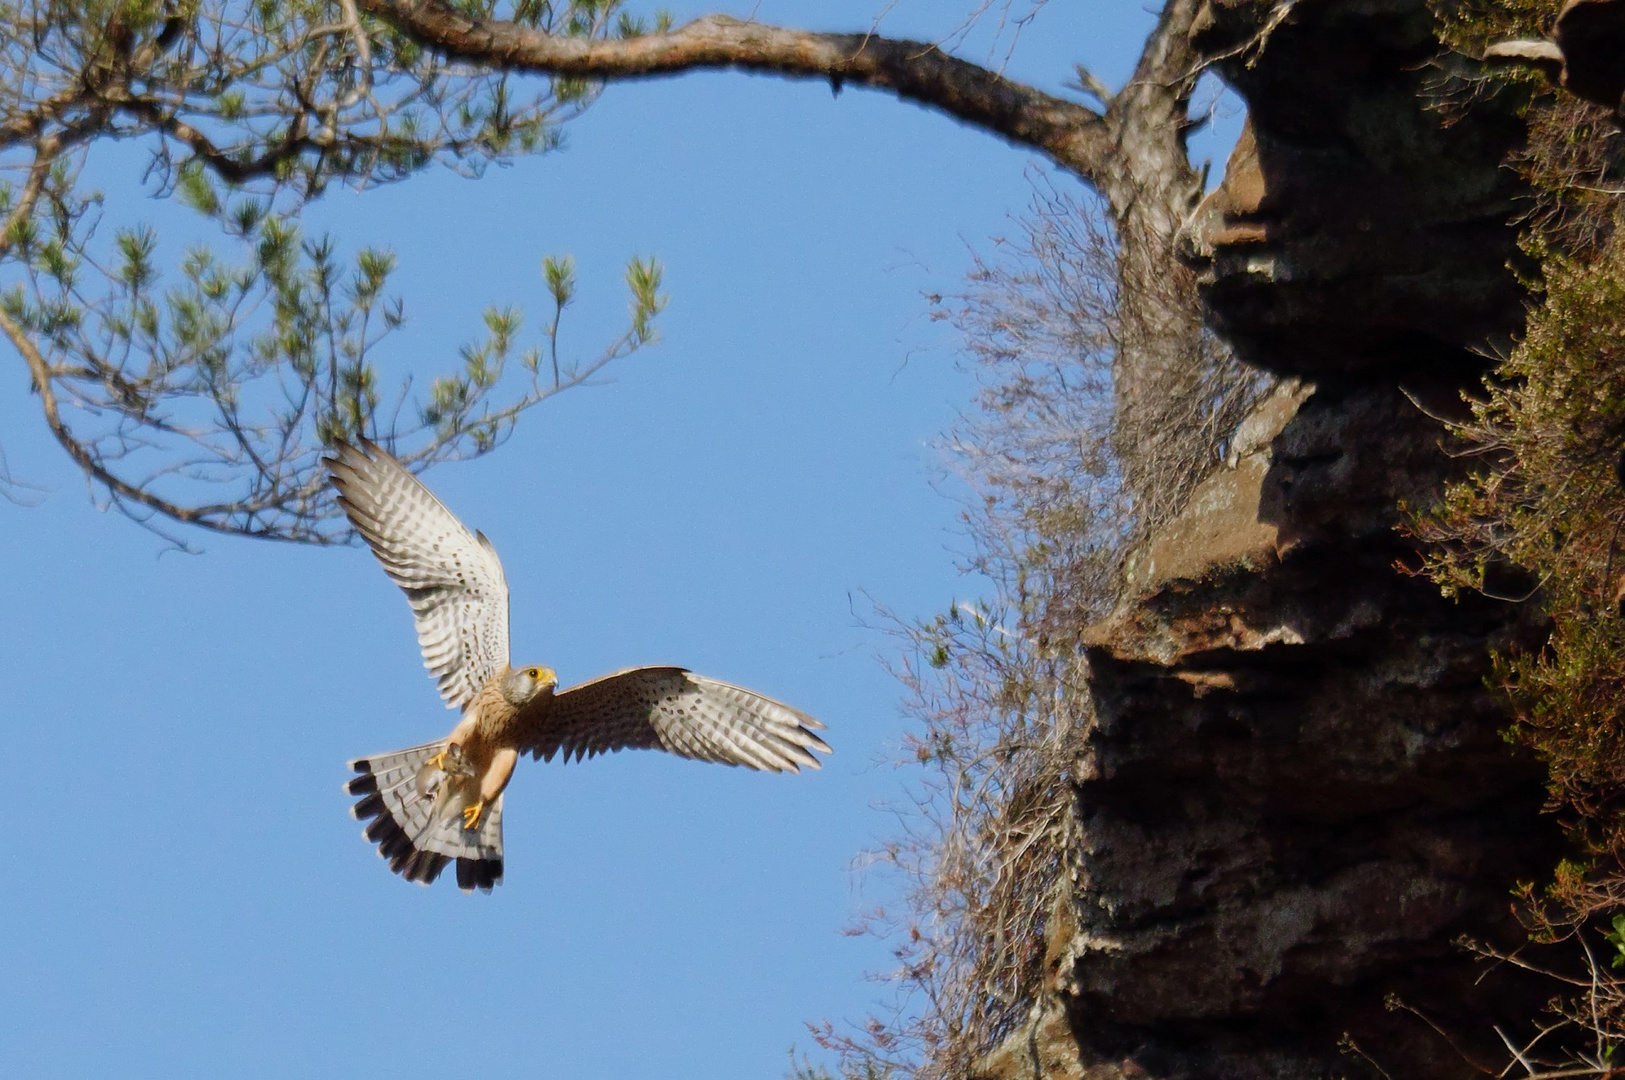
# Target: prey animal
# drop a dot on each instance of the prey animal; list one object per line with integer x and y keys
{"x": 429, "y": 805}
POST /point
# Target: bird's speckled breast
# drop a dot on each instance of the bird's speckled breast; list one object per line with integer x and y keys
{"x": 495, "y": 724}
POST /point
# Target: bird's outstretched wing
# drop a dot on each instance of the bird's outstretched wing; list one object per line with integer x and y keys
{"x": 452, "y": 577}
{"x": 669, "y": 708}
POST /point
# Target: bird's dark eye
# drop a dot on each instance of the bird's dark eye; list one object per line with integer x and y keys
{"x": 533, "y": 673}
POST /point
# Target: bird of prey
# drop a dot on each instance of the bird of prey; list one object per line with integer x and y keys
{"x": 430, "y": 804}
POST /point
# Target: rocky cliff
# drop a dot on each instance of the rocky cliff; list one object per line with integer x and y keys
{"x": 1295, "y": 796}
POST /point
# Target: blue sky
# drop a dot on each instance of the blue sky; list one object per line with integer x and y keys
{"x": 187, "y": 895}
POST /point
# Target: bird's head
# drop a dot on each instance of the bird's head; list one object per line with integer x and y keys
{"x": 526, "y": 684}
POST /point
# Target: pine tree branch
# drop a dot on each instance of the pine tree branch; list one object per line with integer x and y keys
{"x": 1072, "y": 135}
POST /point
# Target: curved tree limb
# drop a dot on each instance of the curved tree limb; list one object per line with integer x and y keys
{"x": 1132, "y": 151}
{"x": 1074, "y": 136}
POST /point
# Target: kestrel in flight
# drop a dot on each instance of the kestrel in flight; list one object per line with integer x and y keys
{"x": 430, "y": 804}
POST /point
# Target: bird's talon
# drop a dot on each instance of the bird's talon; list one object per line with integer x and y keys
{"x": 472, "y": 814}
{"x": 439, "y": 760}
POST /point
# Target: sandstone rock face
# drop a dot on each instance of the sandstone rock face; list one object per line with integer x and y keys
{"x": 1355, "y": 230}
{"x": 1296, "y": 795}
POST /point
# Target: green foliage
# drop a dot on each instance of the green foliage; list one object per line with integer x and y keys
{"x": 1573, "y": 159}
{"x": 206, "y": 392}
{"x": 1542, "y": 518}
{"x": 1469, "y": 25}
{"x": 1616, "y": 937}
{"x": 1541, "y": 521}
{"x": 1547, "y": 502}
{"x": 643, "y": 279}
{"x": 560, "y": 275}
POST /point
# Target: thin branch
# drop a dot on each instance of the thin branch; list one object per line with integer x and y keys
{"x": 1395, "y": 1002}
{"x": 40, "y": 370}
{"x": 1087, "y": 82}
{"x": 1517, "y": 1054}
{"x": 230, "y": 169}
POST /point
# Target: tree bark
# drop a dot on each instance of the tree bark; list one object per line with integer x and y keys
{"x": 1150, "y": 187}
{"x": 1070, "y": 134}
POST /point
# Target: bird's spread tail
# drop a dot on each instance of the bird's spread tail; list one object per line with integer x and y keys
{"x": 413, "y": 801}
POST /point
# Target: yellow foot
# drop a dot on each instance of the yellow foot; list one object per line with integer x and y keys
{"x": 439, "y": 760}
{"x": 472, "y": 814}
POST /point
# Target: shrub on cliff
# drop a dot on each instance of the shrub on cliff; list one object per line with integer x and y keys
{"x": 997, "y": 688}
{"x": 1542, "y": 519}
{"x": 1549, "y": 502}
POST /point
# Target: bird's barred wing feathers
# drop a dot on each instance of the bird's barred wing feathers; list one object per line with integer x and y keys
{"x": 670, "y": 708}
{"x": 452, "y": 577}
